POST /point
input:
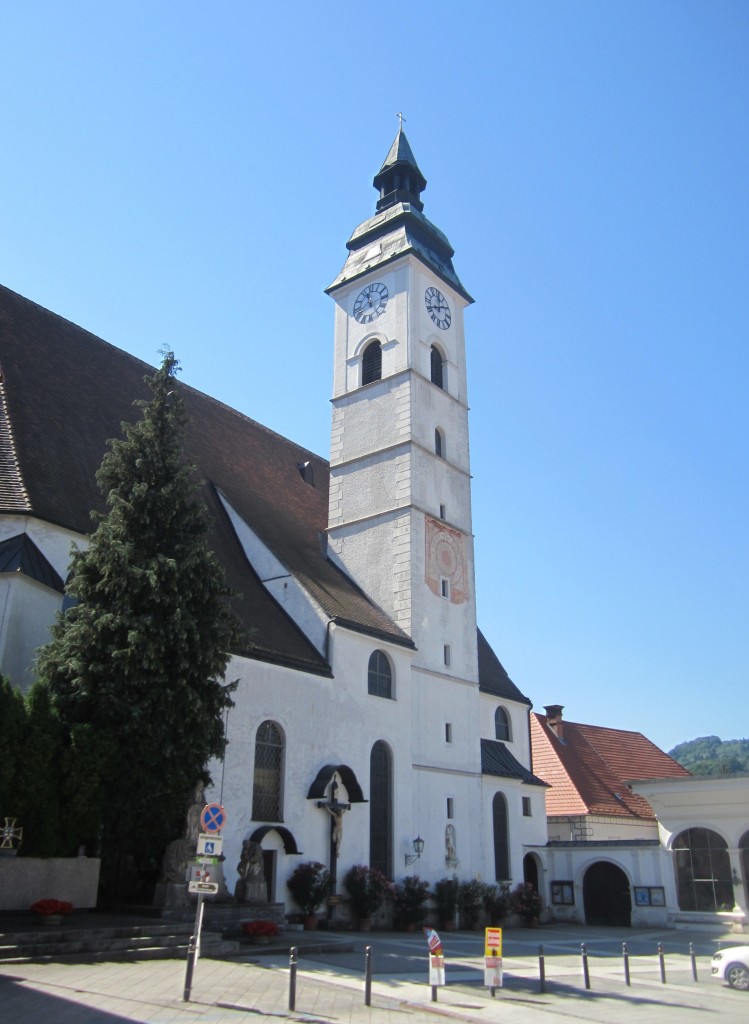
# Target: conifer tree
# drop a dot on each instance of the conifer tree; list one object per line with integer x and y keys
{"x": 12, "y": 730}
{"x": 136, "y": 665}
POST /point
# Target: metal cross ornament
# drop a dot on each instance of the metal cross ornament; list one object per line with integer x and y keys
{"x": 10, "y": 835}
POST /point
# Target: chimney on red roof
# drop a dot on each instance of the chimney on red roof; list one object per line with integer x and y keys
{"x": 554, "y": 718}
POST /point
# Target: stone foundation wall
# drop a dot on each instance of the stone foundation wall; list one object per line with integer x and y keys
{"x": 24, "y": 880}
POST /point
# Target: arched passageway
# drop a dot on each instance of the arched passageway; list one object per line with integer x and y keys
{"x": 606, "y": 895}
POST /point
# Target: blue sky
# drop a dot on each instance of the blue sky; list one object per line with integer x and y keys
{"x": 187, "y": 174}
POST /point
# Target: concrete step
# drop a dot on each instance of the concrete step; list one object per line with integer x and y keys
{"x": 139, "y": 942}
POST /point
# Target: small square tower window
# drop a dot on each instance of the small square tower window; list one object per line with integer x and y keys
{"x": 446, "y": 654}
{"x": 443, "y": 512}
{"x": 444, "y": 586}
{"x": 448, "y": 732}
{"x": 527, "y": 807}
{"x": 450, "y": 807}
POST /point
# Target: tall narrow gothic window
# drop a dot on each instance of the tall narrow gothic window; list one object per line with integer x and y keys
{"x": 703, "y": 871}
{"x": 379, "y": 675}
{"x": 437, "y": 365}
{"x": 266, "y": 782}
{"x": 501, "y": 839}
{"x": 502, "y": 725}
{"x": 381, "y": 809}
{"x": 371, "y": 364}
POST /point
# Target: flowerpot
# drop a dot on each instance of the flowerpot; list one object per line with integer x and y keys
{"x": 447, "y": 926}
{"x": 365, "y": 924}
{"x": 260, "y": 940}
{"x": 50, "y": 920}
{"x": 310, "y": 922}
{"x": 530, "y": 922}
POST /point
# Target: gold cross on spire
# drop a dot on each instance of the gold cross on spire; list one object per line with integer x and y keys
{"x": 402, "y": 119}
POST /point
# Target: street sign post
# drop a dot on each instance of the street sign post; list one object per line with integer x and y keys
{"x": 493, "y": 959}
{"x": 212, "y": 820}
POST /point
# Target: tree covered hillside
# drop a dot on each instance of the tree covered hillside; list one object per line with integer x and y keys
{"x": 709, "y": 755}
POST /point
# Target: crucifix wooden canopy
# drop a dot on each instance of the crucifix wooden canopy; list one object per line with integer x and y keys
{"x": 347, "y": 777}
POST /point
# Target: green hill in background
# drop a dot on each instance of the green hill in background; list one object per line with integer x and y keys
{"x": 710, "y": 755}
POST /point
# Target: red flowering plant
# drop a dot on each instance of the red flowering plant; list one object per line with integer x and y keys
{"x": 49, "y": 908}
{"x": 260, "y": 929}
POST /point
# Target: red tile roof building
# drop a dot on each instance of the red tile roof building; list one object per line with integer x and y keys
{"x": 587, "y": 767}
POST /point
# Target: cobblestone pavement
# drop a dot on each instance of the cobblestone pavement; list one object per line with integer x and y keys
{"x": 330, "y": 985}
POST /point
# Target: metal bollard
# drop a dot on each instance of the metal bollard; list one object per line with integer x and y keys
{"x": 292, "y": 977}
{"x": 586, "y": 972}
{"x": 434, "y": 993}
{"x": 662, "y": 961}
{"x": 541, "y": 970}
{"x": 625, "y": 953}
{"x": 693, "y": 958}
{"x": 367, "y": 975}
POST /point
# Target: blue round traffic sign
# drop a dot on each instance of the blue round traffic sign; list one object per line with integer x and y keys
{"x": 212, "y": 818}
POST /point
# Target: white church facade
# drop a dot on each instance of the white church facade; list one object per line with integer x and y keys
{"x": 365, "y": 676}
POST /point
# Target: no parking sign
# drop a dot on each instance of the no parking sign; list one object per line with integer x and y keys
{"x": 212, "y": 818}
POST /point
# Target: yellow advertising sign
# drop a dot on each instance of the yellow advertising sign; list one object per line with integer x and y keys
{"x": 493, "y": 942}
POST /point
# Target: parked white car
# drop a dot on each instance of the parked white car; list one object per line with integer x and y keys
{"x": 732, "y": 965}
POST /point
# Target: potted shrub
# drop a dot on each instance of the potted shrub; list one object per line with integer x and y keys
{"x": 51, "y": 911}
{"x": 309, "y": 884}
{"x": 446, "y": 901}
{"x": 527, "y": 903}
{"x": 470, "y": 895}
{"x": 410, "y": 899}
{"x": 260, "y": 932}
{"x": 497, "y": 902}
{"x": 367, "y": 890}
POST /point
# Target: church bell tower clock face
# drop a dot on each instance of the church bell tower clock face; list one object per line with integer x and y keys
{"x": 437, "y": 307}
{"x": 370, "y": 303}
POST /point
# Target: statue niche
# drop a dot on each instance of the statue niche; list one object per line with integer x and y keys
{"x": 251, "y": 887}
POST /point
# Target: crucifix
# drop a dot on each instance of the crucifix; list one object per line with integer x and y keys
{"x": 336, "y": 811}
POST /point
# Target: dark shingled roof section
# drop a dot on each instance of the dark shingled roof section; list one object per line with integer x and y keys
{"x": 496, "y": 759}
{"x": 492, "y": 676}
{"x": 66, "y": 392}
{"x": 20, "y": 554}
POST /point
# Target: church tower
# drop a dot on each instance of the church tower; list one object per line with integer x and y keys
{"x": 400, "y": 502}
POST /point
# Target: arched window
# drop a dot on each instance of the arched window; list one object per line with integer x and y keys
{"x": 371, "y": 364}
{"x": 266, "y": 781}
{"x": 381, "y": 809}
{"x": 439, "y": 443}
{"x": 501, "y": 839}
{"x": 437, "y": 367}
{"x": 379, "y": 675}
{"x": 703, "y": 871}
{"x": 502, "y": 729}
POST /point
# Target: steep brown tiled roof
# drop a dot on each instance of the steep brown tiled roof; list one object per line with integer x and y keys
{"x": 66, "y": 392}
{"x": 587, "y": 768}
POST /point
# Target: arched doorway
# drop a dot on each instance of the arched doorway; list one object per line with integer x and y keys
{"x": 530, "y": 871}
{"x": 744, "y": 855}
{"x": 606, "y": 895}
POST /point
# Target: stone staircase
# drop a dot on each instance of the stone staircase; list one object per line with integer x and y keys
{"x": 144, "y": 941}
